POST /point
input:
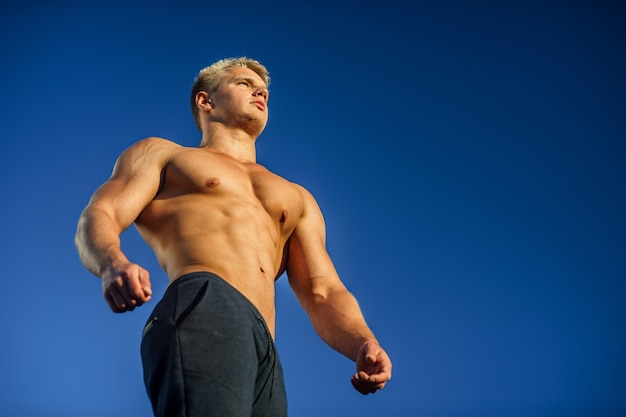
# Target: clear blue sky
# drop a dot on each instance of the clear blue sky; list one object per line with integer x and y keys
{"x": 469, "y": 158}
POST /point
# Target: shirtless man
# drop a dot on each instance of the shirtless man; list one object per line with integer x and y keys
{"x": 224, "y": 228}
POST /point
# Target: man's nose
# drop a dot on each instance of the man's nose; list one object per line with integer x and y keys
{"x": 261, "y": 91}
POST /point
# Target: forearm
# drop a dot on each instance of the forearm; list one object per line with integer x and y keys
{"x": 338, "y": 320}
{"x": 98, "y": 241}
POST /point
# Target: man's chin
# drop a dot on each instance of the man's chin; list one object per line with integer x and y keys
{"x": 253, "y": 126}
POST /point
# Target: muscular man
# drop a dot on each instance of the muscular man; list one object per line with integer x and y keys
{"x": 224, "y": 228}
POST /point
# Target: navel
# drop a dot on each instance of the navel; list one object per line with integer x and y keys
{"x": 213, "y": 182}
{"x": 283, "y": 216}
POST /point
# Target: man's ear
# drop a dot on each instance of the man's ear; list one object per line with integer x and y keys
{"x": 203, "y": 101}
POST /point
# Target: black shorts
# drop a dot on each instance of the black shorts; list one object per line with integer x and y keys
{"x": 207, "y": 351}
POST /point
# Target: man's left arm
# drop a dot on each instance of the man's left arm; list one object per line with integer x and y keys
{"x": 332, "y": 309}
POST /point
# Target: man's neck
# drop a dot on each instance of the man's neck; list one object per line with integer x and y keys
{"x": 235, "y": 143}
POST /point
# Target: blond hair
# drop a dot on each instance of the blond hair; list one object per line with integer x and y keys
{"x": 208, "y": 79}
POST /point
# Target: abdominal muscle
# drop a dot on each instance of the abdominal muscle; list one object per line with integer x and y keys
{"x": 240, "y": 242}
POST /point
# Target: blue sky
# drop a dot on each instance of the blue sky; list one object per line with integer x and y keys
{"x": 469, "y": 158}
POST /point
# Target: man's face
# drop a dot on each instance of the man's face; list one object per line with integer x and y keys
{"x": 241, "y": 100}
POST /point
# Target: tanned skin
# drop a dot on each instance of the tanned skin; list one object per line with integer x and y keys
{"x": 213, "y": 208}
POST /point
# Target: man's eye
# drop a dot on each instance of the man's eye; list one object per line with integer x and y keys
{"x": 243, "y": 83}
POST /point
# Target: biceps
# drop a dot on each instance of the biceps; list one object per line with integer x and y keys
{"x": 307, "y": 256}
{"x": 124, "y": 199}
{"x": 310, "y": 271}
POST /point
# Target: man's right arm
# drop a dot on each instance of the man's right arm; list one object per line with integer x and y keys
{"x": 114, "y": 207}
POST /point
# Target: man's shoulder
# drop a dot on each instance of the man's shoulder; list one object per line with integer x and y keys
{"x": 284, "y": 180}
{"x": 301, "y": 189}
{"x": 156, "y": 143}
{"x": 152, "y": 146}
{"x": 151, "y": 150}
{"x": 307, "y": 197}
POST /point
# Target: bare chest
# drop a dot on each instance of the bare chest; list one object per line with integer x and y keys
{"x": 225, "y": 182}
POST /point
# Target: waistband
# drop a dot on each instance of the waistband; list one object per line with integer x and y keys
{"x": 210, "y": 276}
